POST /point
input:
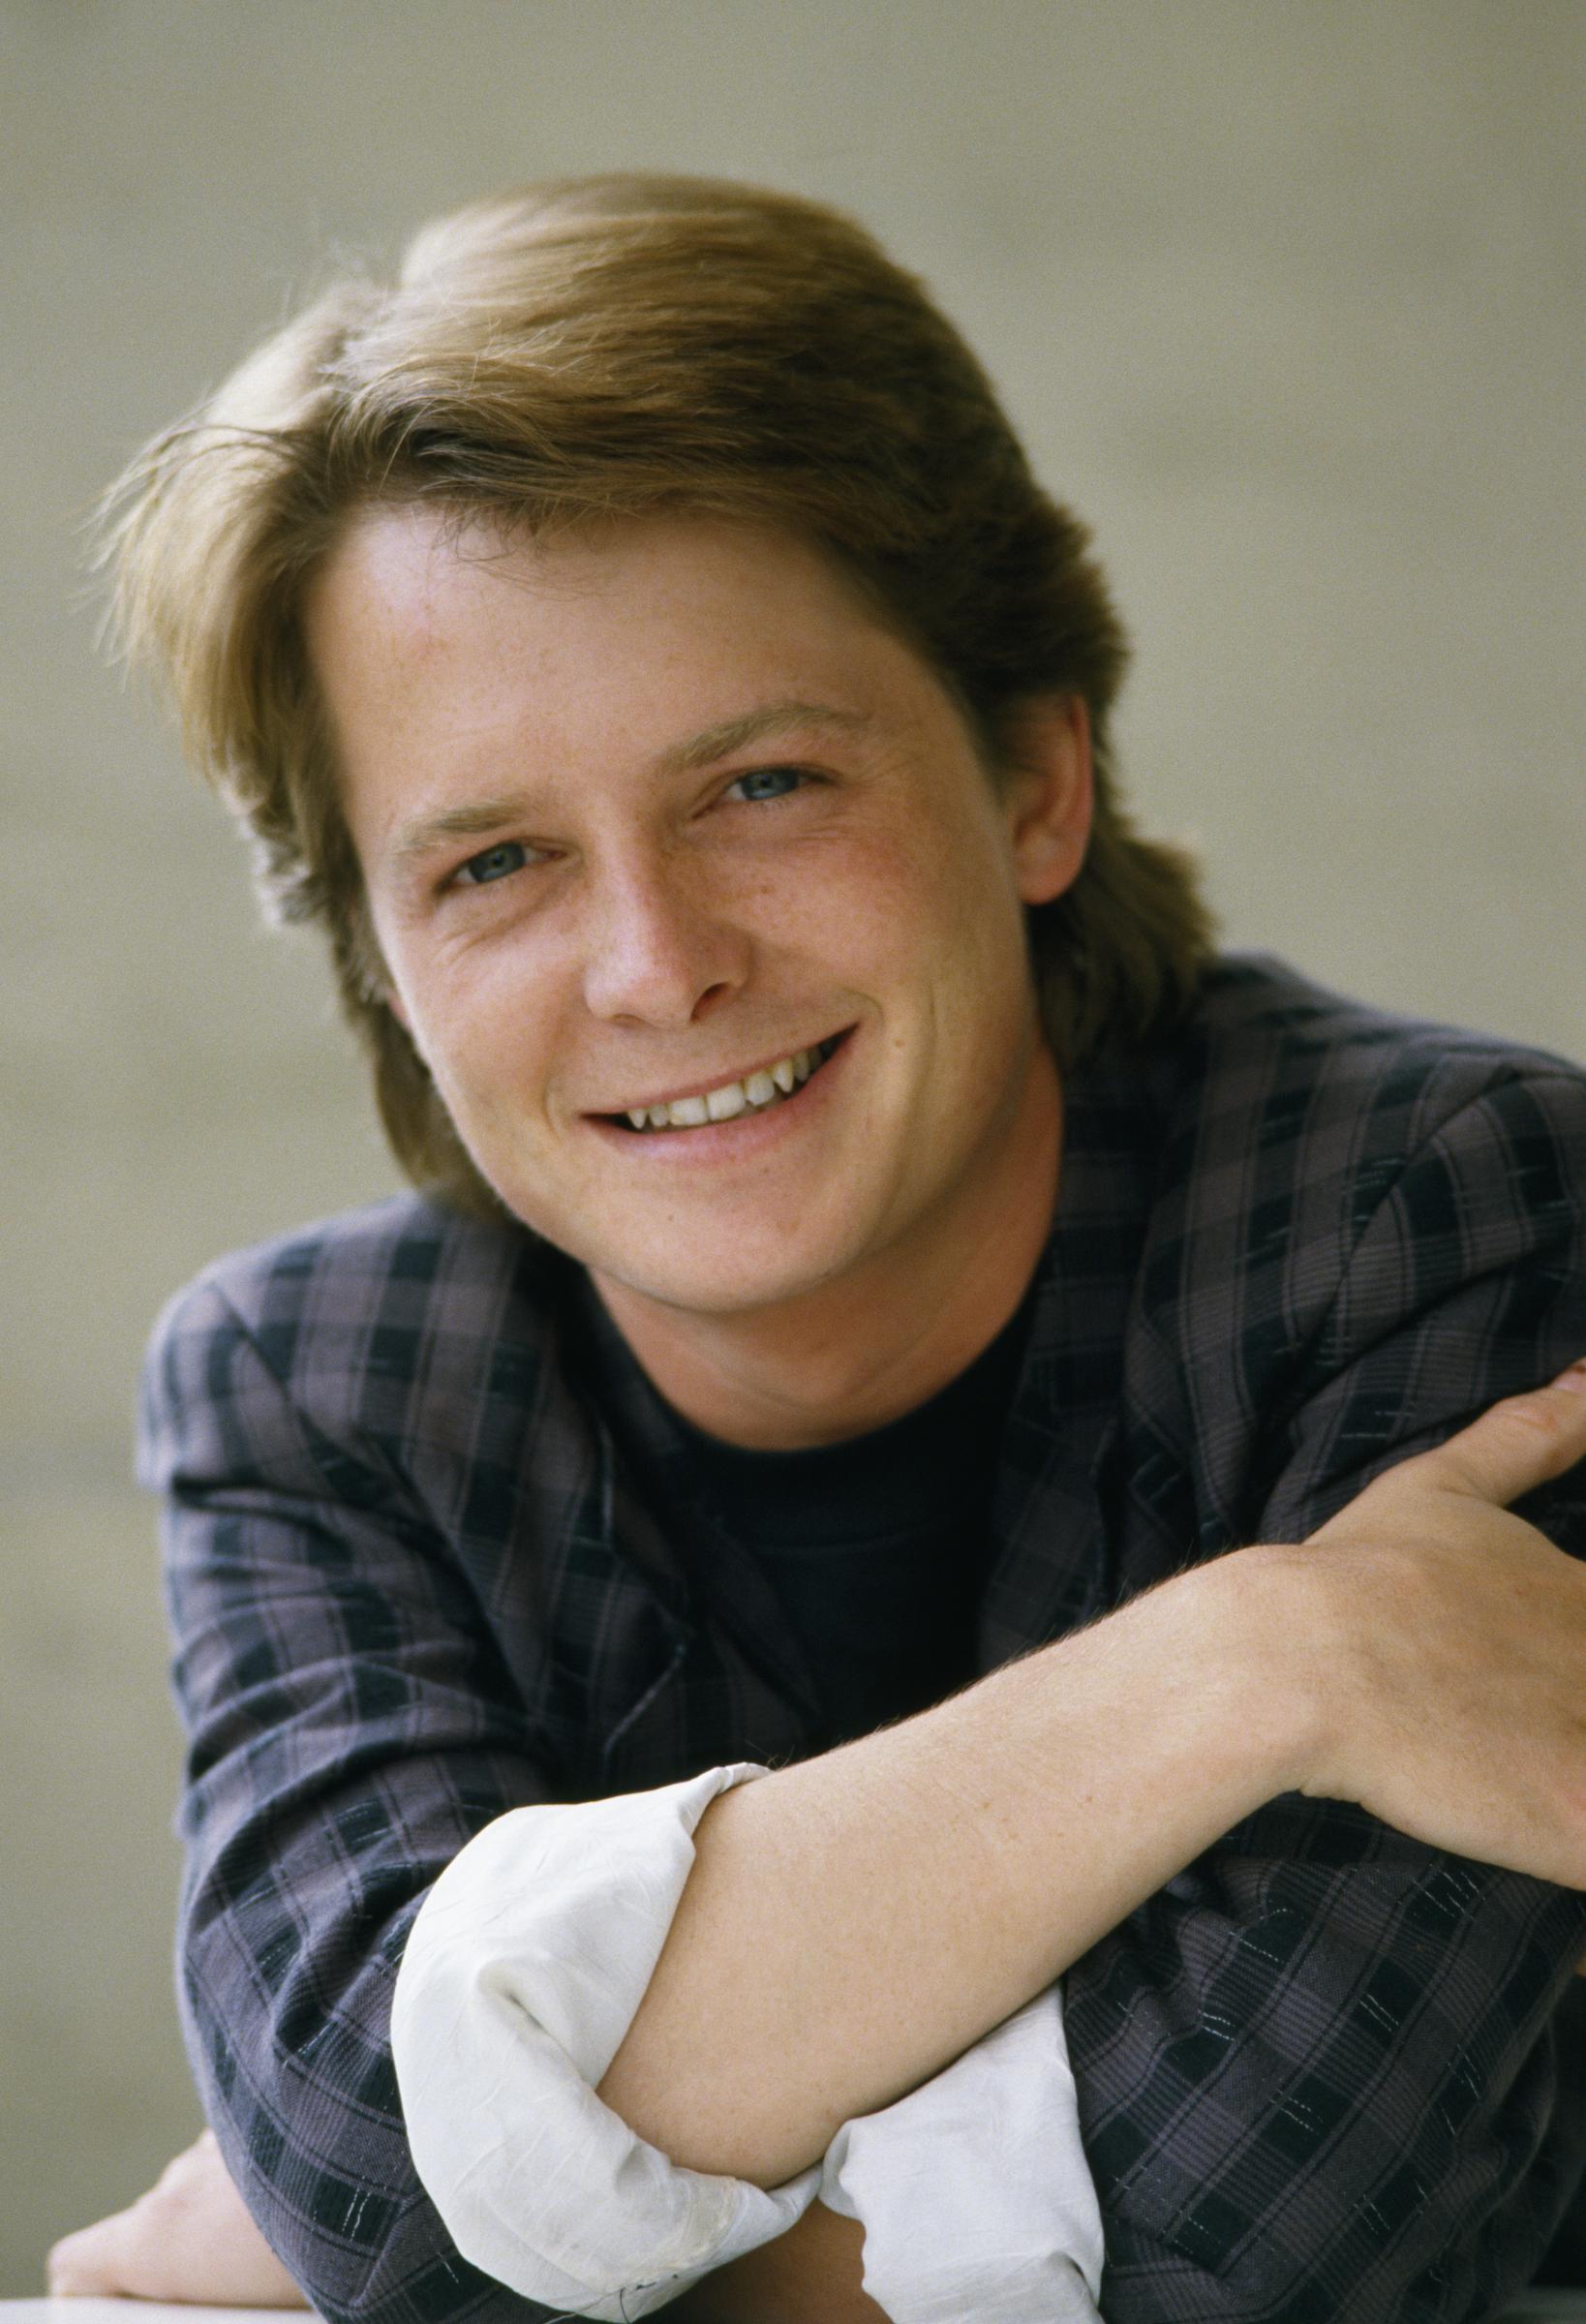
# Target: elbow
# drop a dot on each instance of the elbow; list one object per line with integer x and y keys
{"x": 319, "y": 2159}
{"x": 359, "y": 2256}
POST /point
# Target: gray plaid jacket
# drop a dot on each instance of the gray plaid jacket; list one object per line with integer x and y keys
{"x": 1326, "y": 2073}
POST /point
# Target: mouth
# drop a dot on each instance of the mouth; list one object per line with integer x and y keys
{"x": 762, "y": 1091}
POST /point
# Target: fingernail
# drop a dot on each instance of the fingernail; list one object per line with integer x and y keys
{"x": 1575, "y": 1377}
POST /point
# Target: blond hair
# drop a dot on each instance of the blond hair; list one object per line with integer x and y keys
{"x": 609, "y": 347}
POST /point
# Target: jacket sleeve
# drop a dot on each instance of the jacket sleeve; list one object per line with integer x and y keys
{"x": 350, "y": 1728}
{"x": 1330, "y": 2071}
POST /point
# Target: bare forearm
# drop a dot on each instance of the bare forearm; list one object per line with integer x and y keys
{"x": 854, "y": 1923}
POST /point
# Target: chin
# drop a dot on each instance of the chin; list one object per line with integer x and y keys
{"x": 715, "y": 1284}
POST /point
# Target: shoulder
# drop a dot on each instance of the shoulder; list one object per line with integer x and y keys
{"x": 1278, "y": 1055}
{"x": 334, "y": 1270}
{"x": 1307, "y": 1141}
{"x": 1364, "y": 1226}
{"x": 378, "y": 1282}
{"x": 1316, "y": 1106}
{"x": 379, "y": 1328}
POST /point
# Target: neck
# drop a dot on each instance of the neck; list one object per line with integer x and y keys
{"x": 860, "y": 1352}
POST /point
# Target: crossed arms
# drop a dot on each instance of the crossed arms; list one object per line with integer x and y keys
{"x": 1352, "y": 2037}
{"x": 815, "y": 2269}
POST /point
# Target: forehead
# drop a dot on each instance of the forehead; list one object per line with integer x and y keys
{"x": 432, "y": 589}
{"x": 451, "y": 653}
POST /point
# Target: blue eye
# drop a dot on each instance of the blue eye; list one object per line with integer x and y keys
{"x": 508, "y": 855}
{"x": 767, "y": 782}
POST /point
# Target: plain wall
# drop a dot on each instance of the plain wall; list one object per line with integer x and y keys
{"x": 1287, "y": 296}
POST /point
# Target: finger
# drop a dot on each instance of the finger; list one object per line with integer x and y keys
{"x": 1519, "y": 1443}
{"x": 86, "y": 2265}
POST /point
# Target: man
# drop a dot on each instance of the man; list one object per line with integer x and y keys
{"x": 872, "y": 1247}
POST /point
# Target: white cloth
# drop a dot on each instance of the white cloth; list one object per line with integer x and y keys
{"x": 523, "y": 1973}
{"x": 974, "y": 2192}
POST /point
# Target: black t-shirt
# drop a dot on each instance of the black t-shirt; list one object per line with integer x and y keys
{"x": 875, "y": 1546}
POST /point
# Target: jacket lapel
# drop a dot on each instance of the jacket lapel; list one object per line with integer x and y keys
{"x": 1055, "y": 1554}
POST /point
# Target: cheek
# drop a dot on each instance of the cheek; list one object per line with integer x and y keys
{"x": 477, "y": 1021}
{"x": 862, "y": 902}
{"x": 982, "y": 990}
{"x": 966, "y": 898}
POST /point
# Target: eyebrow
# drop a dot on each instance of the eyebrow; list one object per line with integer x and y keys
{"x": 425, "y": 832}
{"x": 736, "y": 734}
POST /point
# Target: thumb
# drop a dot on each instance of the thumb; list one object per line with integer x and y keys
{"x": 1519, "y": 1443}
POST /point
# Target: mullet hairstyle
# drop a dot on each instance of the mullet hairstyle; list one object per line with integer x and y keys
{"x": 613, "y": 346}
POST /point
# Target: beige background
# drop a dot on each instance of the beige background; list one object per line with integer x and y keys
{"x": 1286, "y": 295}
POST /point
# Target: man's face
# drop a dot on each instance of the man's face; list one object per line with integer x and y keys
{"x": 664, "y": 813}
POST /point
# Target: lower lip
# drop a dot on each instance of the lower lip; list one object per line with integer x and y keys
{"x": 745, "y": 1135}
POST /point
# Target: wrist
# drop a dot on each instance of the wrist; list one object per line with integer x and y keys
{"x": 1275, "y": 1638}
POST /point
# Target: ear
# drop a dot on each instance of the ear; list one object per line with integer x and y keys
{"x": 1049, "y": 795}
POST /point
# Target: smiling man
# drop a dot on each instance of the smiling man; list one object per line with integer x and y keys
{"x": 728, "y": 1766}
{"x": 727, "y": 991}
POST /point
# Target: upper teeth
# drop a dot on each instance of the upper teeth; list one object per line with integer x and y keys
{"x": 733, "y": 1097}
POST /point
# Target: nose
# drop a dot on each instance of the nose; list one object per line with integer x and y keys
{"x": 658, "y": 950}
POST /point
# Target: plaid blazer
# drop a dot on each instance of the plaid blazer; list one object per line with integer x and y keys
{"x": 1326, "y": 2073}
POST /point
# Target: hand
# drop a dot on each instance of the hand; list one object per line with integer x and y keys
{"x": 190, "y": 2237}
{"x": 1455, "y": 1637}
